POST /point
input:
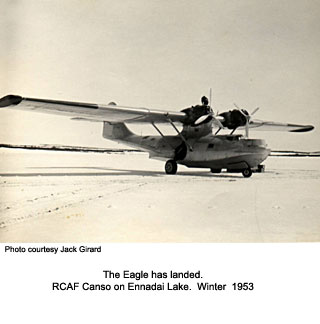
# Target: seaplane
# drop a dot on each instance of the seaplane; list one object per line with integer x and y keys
{"x": 197, "y": 145}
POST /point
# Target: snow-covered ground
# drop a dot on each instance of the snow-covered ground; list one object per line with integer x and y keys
{"x": 92, "y": 197}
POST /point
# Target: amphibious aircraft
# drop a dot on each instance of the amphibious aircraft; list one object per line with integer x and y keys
{"x": 195, "y": 146}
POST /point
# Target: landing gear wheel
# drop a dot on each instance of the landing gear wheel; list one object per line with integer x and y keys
{"x": 171, "y": 167}
{"x": 215, "y": 170}
{"x": 247, "y": 173}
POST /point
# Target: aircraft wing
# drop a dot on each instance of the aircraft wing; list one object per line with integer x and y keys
{"x": 93, "y": 112}
{"x": 119, "y": 114}
{"x": 274, "y": 126}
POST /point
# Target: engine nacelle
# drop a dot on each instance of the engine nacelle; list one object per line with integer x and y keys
{"x": 234, "y": 118}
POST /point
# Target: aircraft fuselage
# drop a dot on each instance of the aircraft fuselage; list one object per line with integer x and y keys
{"x": 231, "y": 152}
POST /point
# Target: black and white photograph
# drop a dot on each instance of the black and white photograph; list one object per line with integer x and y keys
{"x": 150, "y": 121}
{"x": 154, "y": 121}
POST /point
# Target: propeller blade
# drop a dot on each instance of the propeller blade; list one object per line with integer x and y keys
{"x": 236, "y": 106}
{"x": 208, "y": 117}
{"x": 255, "y": 111}
{"x": 247, "y": 129}
{"x": 202, "y": 118}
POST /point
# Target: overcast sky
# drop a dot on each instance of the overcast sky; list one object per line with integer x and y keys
{"x": 163, "y": 54}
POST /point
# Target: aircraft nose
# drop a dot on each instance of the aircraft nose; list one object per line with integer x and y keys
{"x": 261, "y": 154}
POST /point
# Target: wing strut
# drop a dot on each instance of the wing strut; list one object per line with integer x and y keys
{"x": 181, "y": 136}
{"x": 216, "y": 133}
{"x": 159, "y": 131}
{"x": 234, "y": 130}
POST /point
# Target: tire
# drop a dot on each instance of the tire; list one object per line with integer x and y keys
{"x": 247, "y": 173}
{"x": 171, "y": 167}
{"x": 215, "y": 170}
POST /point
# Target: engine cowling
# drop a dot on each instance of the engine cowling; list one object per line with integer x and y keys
{"x": 234, "y": 118}
{"x": 193, "y": 113}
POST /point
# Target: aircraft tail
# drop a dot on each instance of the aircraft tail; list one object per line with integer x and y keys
{"x": 115, "y": 131}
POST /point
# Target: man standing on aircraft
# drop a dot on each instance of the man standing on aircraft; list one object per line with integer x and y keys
{"x": 204, "y": 101}
{"x": 206, "y": 109}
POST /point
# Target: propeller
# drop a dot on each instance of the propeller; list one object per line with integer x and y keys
{"x": 247, "y": 116}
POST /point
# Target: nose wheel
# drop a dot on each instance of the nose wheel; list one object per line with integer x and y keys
{"x": 247, "y": 173}
{"x": 171, "y": 167}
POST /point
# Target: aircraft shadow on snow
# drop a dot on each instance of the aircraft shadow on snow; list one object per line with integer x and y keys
{"x": 112, "y": 172}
